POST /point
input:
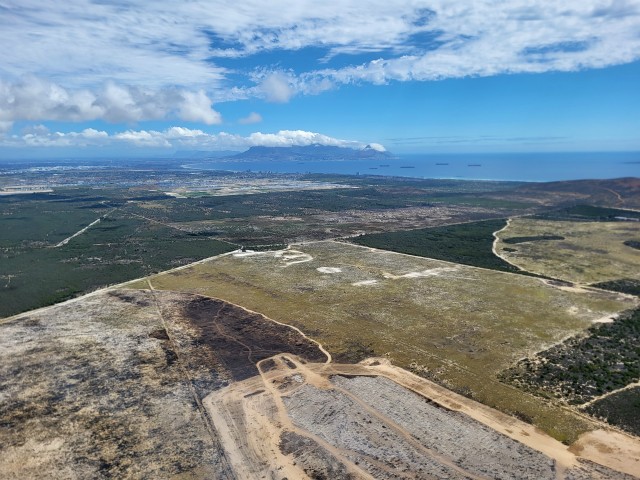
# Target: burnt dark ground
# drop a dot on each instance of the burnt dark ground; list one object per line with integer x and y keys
{"x": 105, "y": 387}
{"x": 221, "y": 343}
{"x": 93, "y": 389}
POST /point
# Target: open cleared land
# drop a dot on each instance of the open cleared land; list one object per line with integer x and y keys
{"x": 373, "y": 420}
{"x": 110, "y": 385}
{"x": 94, "y": 390}
{"x": 160, "y": 384}
{"x": 456, "y": 324}
{"x": 575, "y": 251}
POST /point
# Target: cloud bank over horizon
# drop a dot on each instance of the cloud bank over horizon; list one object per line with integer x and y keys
{"x": 176, "y": 138}
{"x": 135, "y": 61}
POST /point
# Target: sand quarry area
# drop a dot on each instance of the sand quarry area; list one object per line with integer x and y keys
{"x": 149, "y": 384}
{"x": 374, "y": 420}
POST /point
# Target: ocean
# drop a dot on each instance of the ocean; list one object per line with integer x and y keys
{"x": 528, "y": 167}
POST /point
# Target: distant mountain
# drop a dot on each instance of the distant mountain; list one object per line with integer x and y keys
{"x": 311, "y": 152}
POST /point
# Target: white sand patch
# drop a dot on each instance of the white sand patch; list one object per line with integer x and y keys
{"x": 608, "y": 319}
{"x": 248, "y": 253}
{"x": 432, "y": 272}
{"x": 291, "y": 257}
{"x": 174, "y": 194}
{"x": 364, "y": 282}
{"x": 329, "y": 270}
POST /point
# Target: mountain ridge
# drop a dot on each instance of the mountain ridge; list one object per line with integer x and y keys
{"x": 310, "y": 152}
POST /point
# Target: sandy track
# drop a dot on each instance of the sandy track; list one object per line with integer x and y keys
{"x": 79, "y": 232}
{"x": 496, "y": 239}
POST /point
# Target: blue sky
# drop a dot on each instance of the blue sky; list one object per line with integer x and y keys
{"x": 405, "y": 75}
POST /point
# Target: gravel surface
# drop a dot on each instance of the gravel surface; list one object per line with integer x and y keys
{"x": 468, "y": 443}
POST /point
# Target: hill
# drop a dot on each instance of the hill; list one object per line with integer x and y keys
{"x": 311, "y": 152}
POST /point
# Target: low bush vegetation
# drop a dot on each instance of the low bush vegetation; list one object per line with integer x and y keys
{"x": 468, "y": 243}
{"x": 621, "y": 409}
{"x": 604, "y": 359}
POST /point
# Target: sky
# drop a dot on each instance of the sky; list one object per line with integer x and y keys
{"x": 122, "y": 77}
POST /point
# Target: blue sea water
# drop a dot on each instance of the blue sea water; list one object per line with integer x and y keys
{"x": 529, "y": 167}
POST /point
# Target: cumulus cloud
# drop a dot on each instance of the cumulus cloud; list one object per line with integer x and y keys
{"x": 288, "y": 138}
{"x": 377, "y": 147}
{"x": 175, "y": 137}
{"x": 33, "y": 98}
{"x": 41, "y": 137}
{"x": 277, "y": 87}
{"x": 253, "y": 117}
{"x": 196, "y": 107}
{"x": 149, "y": 60}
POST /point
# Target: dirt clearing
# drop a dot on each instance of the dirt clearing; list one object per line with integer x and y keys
{"x": 373, "y": 420}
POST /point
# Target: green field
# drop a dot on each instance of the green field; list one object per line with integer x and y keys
{"x": 34, "y": 271}
{"x": 455, "y": 324}
{"x": 467, "y": 243}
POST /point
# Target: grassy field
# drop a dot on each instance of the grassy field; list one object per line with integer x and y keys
{"x": 455, "y": 324}
{"x": 587, "y": 252}
{"x": 142, "y": 230}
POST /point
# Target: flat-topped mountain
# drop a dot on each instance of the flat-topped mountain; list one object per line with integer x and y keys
{"x": 312, "y": 152}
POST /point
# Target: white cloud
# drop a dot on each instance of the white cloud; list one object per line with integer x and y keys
{"x": 377, "y": 147}
{"x": 5, "y": 126}
{"x": 253, "y": 117}
{"x": 149, "y": 60}
{"x": 143, "y": 138}
{"x": 175, "y": 137}
{"x": 41, "y": 137}
{"x": 277, "y": 87}
{"x": 196, "y": 107}
{"x": 287, "y": 138}
{"x": 35, "y": 99}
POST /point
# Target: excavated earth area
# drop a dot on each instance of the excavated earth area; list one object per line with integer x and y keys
{"x": 333, "y": 421}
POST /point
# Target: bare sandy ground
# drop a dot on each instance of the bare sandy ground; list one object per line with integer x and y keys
{"x": 374, "y": 420}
